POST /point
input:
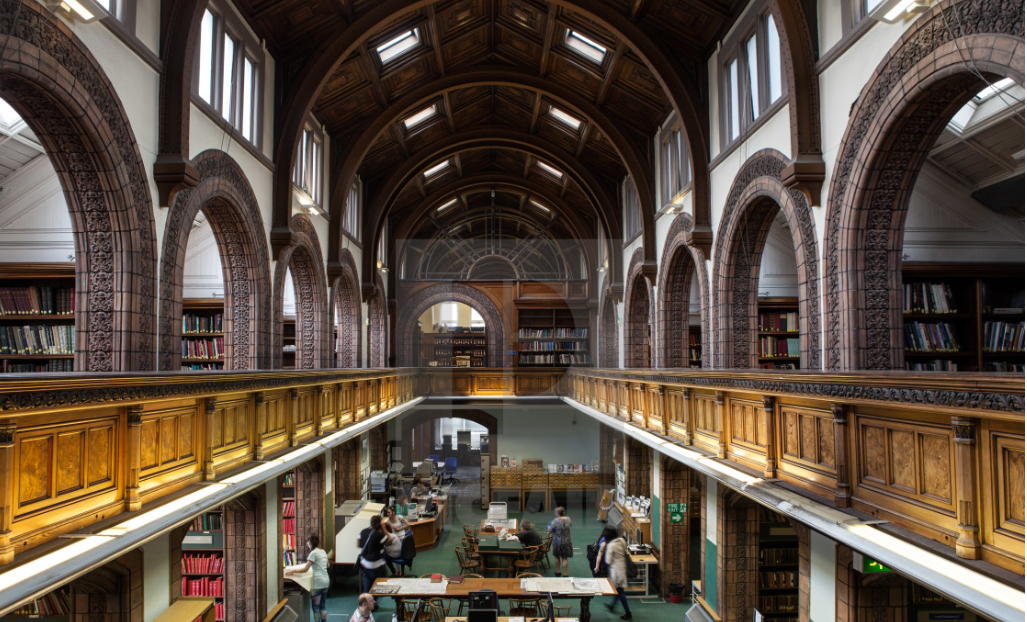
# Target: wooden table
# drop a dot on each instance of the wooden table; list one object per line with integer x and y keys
{"x": 426, "y": 530}
{"x": 512, "y": 552}
{"x": 500, "y": 524}
{"x": 506, "y": 619}
{"x": 504, "y": 588}
{"x": 641, "y": 583}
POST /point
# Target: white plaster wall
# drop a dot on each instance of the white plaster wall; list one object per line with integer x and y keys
{"x": 34, "y": 220}
{"x": 271, "y": 540}
{"x": 157, "y": 576}
{"x": 202, "y": 277}
{"x": 821, "y": 578}
{"x": 779, "y": 275}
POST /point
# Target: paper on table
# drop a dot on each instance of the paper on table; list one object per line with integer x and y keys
{"x": 584, "y": 584}
{"x": 302, "y": 579}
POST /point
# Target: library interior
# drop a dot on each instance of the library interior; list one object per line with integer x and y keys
{"x": 512, "y": 310}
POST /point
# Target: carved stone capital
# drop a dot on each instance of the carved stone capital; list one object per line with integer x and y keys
{"x": 806, "y": 173}
{"x": 701, "y": 237}
{"x": 173, "y": 173}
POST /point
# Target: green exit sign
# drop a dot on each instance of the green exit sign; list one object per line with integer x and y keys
{"x": 872, "y": 565}
{"x": 677, "y": 508}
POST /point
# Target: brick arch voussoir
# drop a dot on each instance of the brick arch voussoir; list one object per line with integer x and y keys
{"x": 63, "y": 94}
{"x": 673, "y": 287}
{"x": 303, "y": 260}
{"x": 901, "y": 98}
{"x": 495, "y": 327}
{"x": 345, "y": 307}
{"x": 638, "y": 311}
{"x": 756, "y": 191}
{"x": 225, "y": 196}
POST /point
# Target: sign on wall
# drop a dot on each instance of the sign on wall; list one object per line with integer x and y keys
{"x": 676, "y": 512}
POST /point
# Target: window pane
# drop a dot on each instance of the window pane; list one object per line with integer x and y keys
{"x": 733, "y": 95}
{"x": 754, "y": 76}
{"x": 872, "y": 4}
{"x": 773, "y": 59}
{"x": 228, "y": 77}
{"x": 206, "y": 56}
{"x": 247, "y": 99}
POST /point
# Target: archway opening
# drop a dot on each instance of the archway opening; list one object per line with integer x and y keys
{"x": 681, "y": 315}
{"x": 639, "y": 325}
{"x": 204, "y": 283}
{"x": 452, "y": 334}
{"x": 608, "y": 340}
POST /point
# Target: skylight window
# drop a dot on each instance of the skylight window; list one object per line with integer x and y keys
{"x": 397, "y": 45}
{"x": 539, "y": 206}
{"x": 994, "y": 89}
{"x": 564, "y": 118}
{"x": 550, "y": 170}
{"x": 448, "y": 204}
{"x": 419, "y": 117}
{"x": 435, "y": 170}
{"x": 8, "y": 116}
{"x": 585, "y": 46}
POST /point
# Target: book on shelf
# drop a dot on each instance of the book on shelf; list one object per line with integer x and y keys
{"x": 289, "y": 525}
{"x": 56, "y": 603}
{"x": 930, "y": 337}
{"x": 576, "y": 333}
{"x": 535, "y": 333}
{"x": 925, "y": 297}
{"x": 1003, "y": 366}
{"x": 289, "y": 509}
{"x": 779, "y": 321}
{"x": 208, "y": 348}
{"x": 38, "y": 339}
{"x": 289, "y": 558}
{"x": 779, "y": 346}
{"x": 207, "y": 522}
{"x": 935, "y": 365}
{"x": 203, "y": 586}
{"x": 33, "y": 300}
{"x": 779, "y": 579}
{"x": 193, "y": 323}
{"x": 779, "y": 557}
{"x": 53, "y": 365}
{"x": 212, "y": 563}
{"x": 1003, "y": 337}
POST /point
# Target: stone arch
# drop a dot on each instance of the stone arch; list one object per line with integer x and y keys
{"x": 224, "y": 195}
{"x": 111, "y": 591}
{"x": 63, "y": 94}
{"x": 378, "y": 326}
{"x": 303, "y": 260}
{"x": 922, "y": 81}
{"x": 677, "y": 265}
{"x": 607, "y": 341}
{"x": 245, "y": 557}
{"x": 310, "y": 500}
{"x": 638, "y": 315}
{"x": 423, "y": 416}
{"x": 495, "y": 327}
{"x": 345, "y": 314}
{"x": 756, "y": 196}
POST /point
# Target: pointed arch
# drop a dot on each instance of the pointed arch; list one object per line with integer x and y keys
{"x": 224, "y": 195}
{"x": 345, "y": 314}
{"x": 406, "y": 324}
{"x": 608, "y": 338}
{"x": 638, "y": 335}
{"x": 303, "y": 260}
{"x": 679, "y": 262}
{"x": 378, "y": 326}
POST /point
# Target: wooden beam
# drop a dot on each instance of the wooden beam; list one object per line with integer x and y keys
{"x": 618, "y": 52}
{"x": 583, "y": 140}
{"x": 447, "y": 104}
{"x": 547, "y": 40}
{"x": 639, "y": 7}
{"x": 372, "y": 75}
{"x": 536, "y": 112}
{"x": 431, "y": 29}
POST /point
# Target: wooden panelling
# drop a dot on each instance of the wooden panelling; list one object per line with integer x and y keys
{"x": 806, "y": 446}
{"x": 168, "y": 441}
{"x": 707, "y": 421}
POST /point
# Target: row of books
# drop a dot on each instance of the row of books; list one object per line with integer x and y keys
{"x": 778, "y": 365}
{"x": 779, "y": 346}
{"x": 37, "y": 339}
{"x": 550, "y": 346}
{"x": 1003, "y": 337}
{"x": 55, "y": 603}
{"x": 781, "y": 603}
{"x": 212, "y": 348}
{"x": 289, "y": 509}
{"x": 924, "y": 297}
{"x": 779, "y": 321}
{"x": 930, "y": 337}
{"x": 779, "y": 557}
{"x": 694, "y": 353}
{"x": 202, "y": 323}
{"x": 205, "y": 564}
{"x": 34, "y": 300}
{"x": 1003, "y": 366}
{"x": 535, "y": 333}
{"x": 461, "y": 341}
{"x": 289, "y": 525}
{"x": 289, "y": 541}
{"x": 202, "y": 366}
{"x": 577, "y": 333}
{"x": 206, "y": 586}
{"x": 289, "y": 479}
{"x": 10, "y": 367}
{"x": 290, "y": 558}
{"x": 549, "y": 333}
{"x": 553, "y": 359}
{"x": 779, "y": 579}
{"x": 693, "y": 339}
{"x": 933, "y": 365}
{"x": 208, "y": 522}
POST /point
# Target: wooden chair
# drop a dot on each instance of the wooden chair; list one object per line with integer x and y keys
{"x": 472, "y": 575}
{"x": 562, "y": 611}
{"x": 465, "y": 562}
{"x": 441, "y": 608}
{"x": 485, "y": 569}
{"x": 543, "y": 553}
{"x": 525, "y": 606}
{"x": 527, "y": 575}
{"x": 470, "y": 531}
{"x": 407, "y": 606}
{"x": 472, "y": 549}
{"x": 528, "y": 561}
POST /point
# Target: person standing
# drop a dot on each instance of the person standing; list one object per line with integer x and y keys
{"x": 562, "y": 549}
{"x": 372, "y": 555}
{"x": 616, "y": 558}
{"x": 317, "y": 560}
{"x": 608, "y": 535}
{"x": 365, "y": 605}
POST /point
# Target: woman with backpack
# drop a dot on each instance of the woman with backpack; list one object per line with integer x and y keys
{"x": 600, "y": 568}
{"x": 616, "y": 557}
{"x": 372, "y": 555}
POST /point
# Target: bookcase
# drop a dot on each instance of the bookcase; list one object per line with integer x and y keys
{"x": 465, "y": 347}
{"x": 551, "y": 338}
{"x": 37, "y": 317}
{"x": 203, "y": 560}
{"x": 778, "y": 336}
{"x": 695, "y": 346}
{"x": 963, "y": 317}
{"x": 203, "y": 337}
{"x": 289, "y": 544}
{"x": 289, "y": 343}
{"x": 53, "y": 607}
{"x": 778, "y": 581}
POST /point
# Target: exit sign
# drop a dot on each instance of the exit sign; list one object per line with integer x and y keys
{"x": 867, "y": 565}
{"x": 676, "y": 512}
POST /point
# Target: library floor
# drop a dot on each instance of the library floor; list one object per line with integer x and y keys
{"x": 342, "y": 599}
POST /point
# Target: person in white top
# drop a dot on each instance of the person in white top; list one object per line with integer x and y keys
{"x": 365, "y": 605}
{"x": 616, "y": 557}
{"x": 317, "y": 560}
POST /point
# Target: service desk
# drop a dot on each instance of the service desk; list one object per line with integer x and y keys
{"x": 504, "y": 588}
{"x": 426, "y": 531}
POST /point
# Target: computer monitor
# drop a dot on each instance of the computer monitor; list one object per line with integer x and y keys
{"x": 483, "y": 599}
{"x": 482, "y": 615}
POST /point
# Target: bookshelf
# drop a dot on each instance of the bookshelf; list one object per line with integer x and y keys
{"x": 551, "y": 338}
{"x": 778, "y": 576}
{"x": 464, "y": 347}
{"x": 203, "y": 337}
{"x": 53, "y": 607}
{"x": 963, "y": 317}
{"x": 289, "y": 343}
{"x": 289, "y": 544}
{"x": 203, "y": 560}
{"x": 37, "y": 317}
{"x": 695, "y": 347}
{"x": 778, "y": 336}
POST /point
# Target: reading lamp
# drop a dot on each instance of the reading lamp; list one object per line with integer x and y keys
{"x": 80, "y": 10}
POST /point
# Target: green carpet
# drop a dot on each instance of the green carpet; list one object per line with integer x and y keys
{"x": 343, "y": 595}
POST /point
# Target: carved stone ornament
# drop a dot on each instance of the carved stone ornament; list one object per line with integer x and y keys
{"x": 678, "y": 266}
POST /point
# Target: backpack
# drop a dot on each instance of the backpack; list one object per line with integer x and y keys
{"x": 592, "y": 553}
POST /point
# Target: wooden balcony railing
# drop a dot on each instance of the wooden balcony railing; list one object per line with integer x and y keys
{"x": 77, "y": 449}
{"x": 939, "y": 454}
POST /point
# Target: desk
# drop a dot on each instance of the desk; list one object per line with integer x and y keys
{"x": 426, "y": 530}
{"x": 489, "y": 545}
{"x": 505, "y": 588}
{"x": 641, "y": 582}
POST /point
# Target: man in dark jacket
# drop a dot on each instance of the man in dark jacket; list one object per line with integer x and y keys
{"x": 372, "y": 555}
{"x": 528, "y": 536}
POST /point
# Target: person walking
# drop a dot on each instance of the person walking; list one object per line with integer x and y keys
{"x": 562, "y": 549}
{"x": 365, "y": 607}
{"x": 372, "y": 555}
{"x": 617, "y": 562}
{"x": 601, "y": 569}
{"x": 317, "y": 560}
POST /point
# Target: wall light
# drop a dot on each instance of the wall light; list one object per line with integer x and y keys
{"x": 891, "y": 11}
{"x": 80, "y": 10}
